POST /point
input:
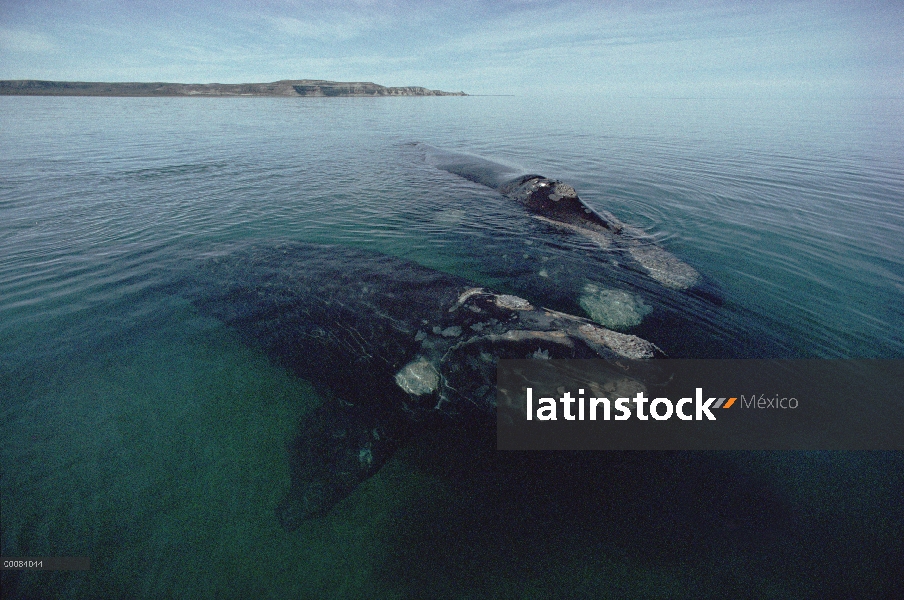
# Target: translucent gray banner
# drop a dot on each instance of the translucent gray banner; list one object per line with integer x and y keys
{"x": 700, "y": 405}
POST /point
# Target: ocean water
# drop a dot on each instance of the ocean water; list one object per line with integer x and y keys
{"x": 148, "y": 437}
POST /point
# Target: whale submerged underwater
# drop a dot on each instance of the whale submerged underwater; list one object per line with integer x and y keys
{"x": 391, "y": 344}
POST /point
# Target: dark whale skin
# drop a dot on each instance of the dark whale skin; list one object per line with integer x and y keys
{"x": 389, "y": 343}
{"x": 558, "y": 201}
{"x": 558, "y": 205}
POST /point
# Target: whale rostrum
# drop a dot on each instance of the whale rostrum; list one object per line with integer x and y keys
{"x": 558, "y": 205}
{"x": 390, "y": 345}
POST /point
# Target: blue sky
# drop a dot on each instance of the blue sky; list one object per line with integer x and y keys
{"x": 620, "y": 48}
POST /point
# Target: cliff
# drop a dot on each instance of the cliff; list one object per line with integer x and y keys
{"x": 285, "y": 88}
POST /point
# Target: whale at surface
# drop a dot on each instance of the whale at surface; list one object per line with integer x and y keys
{"x": 558, "y": 205}
{"x": 389, "y": 343}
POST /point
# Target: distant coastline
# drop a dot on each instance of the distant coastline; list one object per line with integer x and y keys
{"x": 286, "y": 88}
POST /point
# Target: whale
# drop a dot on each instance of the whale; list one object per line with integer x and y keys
{"x": 389, "y": 344}
{"x": 558, "y": 205}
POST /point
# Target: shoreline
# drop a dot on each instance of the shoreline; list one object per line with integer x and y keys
{"x": 300, "y": 88}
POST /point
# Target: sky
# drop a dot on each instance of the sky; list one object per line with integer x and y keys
{"x": 677, "y": 48}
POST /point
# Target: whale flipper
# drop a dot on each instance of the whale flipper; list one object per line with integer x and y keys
{"x": 337, "y": 447}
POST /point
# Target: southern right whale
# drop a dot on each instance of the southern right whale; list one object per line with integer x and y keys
{"x": 558, "y": 205}
{"x": 389, "y": 343}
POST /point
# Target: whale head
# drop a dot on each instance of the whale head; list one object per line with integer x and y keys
{"x": 558, "y": 201}
{"x": 455, "y": 373}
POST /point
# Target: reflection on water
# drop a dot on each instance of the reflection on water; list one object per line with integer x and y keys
{"x": 148, "y": 437}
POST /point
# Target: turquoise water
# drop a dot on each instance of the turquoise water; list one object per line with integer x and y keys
{"x": 148, "y": 437}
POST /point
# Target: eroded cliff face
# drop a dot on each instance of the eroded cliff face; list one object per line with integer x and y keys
{"x": 333, "y": 88}
{"x": 287, "y": 88}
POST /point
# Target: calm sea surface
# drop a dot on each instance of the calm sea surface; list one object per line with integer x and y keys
{"x": 146, "y": 436}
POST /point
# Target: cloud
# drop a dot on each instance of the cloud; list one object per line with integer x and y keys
{"x": 482, "y": 46}
{"x": 324, "y": 30}
{"x": 17, "y": 40}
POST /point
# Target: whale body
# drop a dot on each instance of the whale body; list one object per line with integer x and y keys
{"x": 389, "y": 343}
{"x": 557, "y": 204}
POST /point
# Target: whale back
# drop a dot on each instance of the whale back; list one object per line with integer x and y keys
{"x": 389, "y": 344}
{"x": 469, "y": 166}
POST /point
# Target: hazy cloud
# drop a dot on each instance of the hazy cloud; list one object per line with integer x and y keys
{"x": 13, "y": 40}
{"x": 343, "y": 28}
{"x": 481, "y": 46}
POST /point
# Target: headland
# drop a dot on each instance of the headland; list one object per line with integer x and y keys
{"x": 284, "y": 88}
